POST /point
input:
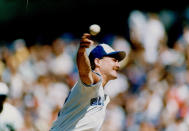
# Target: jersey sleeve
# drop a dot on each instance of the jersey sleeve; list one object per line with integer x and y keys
{"x": 92, "y": 85}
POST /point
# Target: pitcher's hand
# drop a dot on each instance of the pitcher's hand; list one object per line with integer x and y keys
{"x": 85, "y": 41}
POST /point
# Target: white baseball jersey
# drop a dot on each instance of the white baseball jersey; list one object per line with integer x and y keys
{"x": 83, "y": 110}
{"x": 10, "y": 118}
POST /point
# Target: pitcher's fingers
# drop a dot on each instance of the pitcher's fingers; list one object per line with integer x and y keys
{"x": 86, "y": 35}
{"x": 85, "y": 45}
{"x": 85, "y": 40}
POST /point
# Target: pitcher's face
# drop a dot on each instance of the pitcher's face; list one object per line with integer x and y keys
{"x": 109, "y": 67}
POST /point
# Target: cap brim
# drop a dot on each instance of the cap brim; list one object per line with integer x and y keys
{"x": 118, "y": 55}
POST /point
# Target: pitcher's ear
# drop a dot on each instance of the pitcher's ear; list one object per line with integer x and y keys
{"x": 97, "y": 62}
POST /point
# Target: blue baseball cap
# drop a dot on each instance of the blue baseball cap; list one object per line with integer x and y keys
{"x": 102, "y": 50}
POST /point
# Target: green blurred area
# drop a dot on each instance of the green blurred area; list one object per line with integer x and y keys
{"x": 9, "y": 9}
{"x": 14, "y": 9}
{"x": 29, "y": 18}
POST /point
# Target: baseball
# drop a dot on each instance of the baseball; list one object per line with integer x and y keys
{"x": 94, "y": 29}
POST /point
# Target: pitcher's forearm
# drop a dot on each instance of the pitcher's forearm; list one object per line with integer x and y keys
{"x": 83, "y": 61}
{"x": 84, "y": 67}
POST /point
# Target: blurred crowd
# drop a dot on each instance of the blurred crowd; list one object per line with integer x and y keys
{"x": 150, "y": 94}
